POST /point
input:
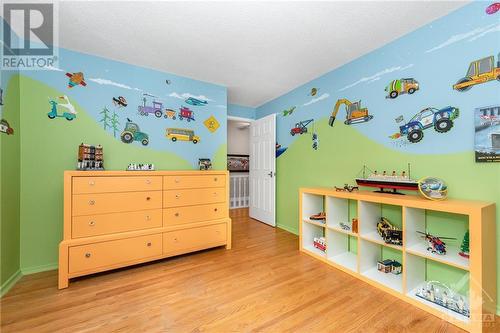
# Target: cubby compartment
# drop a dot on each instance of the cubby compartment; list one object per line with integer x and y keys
{"x": 312, "y": 204}
{"x": 369, "y": 256}
{"x": 339, "y": 214}
{"x": 418, "y": 221}
{"x": 342, "y": 249}
{"x": 370, "y": 214}
{"x": 421, "y": 273}
{"x": 309, "y": 232}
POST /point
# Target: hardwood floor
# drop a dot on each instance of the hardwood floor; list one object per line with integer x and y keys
{"x": 264, "y": 284}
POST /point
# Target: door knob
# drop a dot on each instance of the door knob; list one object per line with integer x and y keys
{"x": 270, "y": 174}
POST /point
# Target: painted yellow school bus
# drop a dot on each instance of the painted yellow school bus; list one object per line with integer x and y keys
{"x": 182, "y": 134}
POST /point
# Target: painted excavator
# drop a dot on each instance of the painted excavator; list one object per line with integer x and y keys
{"x": 354, "y": 112}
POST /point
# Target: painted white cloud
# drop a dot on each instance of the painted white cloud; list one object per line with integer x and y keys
{"x": 376, "y": 76}
{"x": 317, "y": 99}
{"x": 222, "y": 106}
{"x": 188, "y": 95}
{"x": 468, "y": 36}
{"x": 111, "y": 83}
{"x": 52, "y": 68}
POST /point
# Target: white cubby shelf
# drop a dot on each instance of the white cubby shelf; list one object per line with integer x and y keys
{"x": 358, "y": 253}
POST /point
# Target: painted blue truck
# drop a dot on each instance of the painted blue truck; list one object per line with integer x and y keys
{"x": 440, "y": 119}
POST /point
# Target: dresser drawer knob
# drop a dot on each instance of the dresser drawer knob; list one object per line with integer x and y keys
{"x": 215, "y": 209}
{"x": 92, "y": 223}
{"x": 176, "y": 214}
{"x": 177, "y": 180}
{"x": 148, "y": 198}
{"x": 87, "y": 255}
{"x": 215, "y": 194}
{"x": 215, "y": 179}
{"x": 148, "y": 181}
{"x": 149, "y": 244}
{"x": 91, "y": 183}
{"x": 91, "y": 202}
{"x": 148, "y": 218}
{"x": 177, "y": 196}
{"x": 175, "y": 239}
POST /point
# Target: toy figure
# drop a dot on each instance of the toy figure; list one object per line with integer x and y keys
{"x": 436, "y": 245}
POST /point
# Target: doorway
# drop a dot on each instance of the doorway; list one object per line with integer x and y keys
{"x": 238, "y": 162}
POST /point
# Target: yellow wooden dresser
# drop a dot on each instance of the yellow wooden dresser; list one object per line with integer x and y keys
{"x": 114, "y": 219}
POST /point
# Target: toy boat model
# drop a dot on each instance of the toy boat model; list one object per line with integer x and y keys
{"x": 384, "y": 181}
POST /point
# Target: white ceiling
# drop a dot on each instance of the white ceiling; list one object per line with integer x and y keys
{"x": 259, "y": 50}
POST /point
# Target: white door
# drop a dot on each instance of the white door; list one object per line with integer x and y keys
{"x": 263, "y": 169}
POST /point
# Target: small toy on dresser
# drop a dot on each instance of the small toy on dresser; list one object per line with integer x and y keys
{"x": 140, "y": 167}
{"x": 205, "y": 164}
{"x": 90, "y": 157}
{"x": 320, "y": 243}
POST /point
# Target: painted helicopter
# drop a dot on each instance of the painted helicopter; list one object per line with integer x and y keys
{"x": 436, "y": 245}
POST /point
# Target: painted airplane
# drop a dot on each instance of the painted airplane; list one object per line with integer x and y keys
{"x": 195, "y": 102}
{"x": 75, "y": 79}
{"x": 289, "y": 111}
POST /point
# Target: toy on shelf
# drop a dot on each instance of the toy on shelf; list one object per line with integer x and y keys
{"x": 90, "y": 157}
{"x": 385, "y": 266}
{"x": 438, "y": 293}
{"x": 389, "y": 266}
{"x": 321, "y": 216}
{"x": 140, "y": 167}
{"x": 345, "y": 226}
{"x": 464, "y": 247}
{"x": 433, "y": 188}
{"x": 320, "y": 243}
{"x": 435, "y": 243}
{"x": 389, "y": 233}
{"x": 388, "y": 181}
{"x": 347, "y": 188}
{"x": 355, "y": 225}
{"x": 205, "y": 164}
{"x": 396, "y": 268}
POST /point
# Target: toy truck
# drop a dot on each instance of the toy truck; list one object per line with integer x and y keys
{"x": 401, "y": 86}
{"x": 480, "y": 71}
{"x": 440, "y": 119}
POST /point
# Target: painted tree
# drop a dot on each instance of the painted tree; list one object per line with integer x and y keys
{"x": 105, "y": 118}
{"x": 115, "y": 123}
{"x": 464, "y": 248}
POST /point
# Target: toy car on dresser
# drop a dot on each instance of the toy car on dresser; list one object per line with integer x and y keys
{"x": 440, "y": 119}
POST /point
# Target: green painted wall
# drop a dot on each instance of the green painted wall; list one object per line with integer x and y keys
{"x": 9, "y": 188}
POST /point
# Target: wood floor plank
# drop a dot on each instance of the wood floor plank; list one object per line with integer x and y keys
{"x": 263, "y": 284}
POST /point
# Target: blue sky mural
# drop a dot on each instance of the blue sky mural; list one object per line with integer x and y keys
{"x": 106, "y": 79}
{"x": 436, "y": 55}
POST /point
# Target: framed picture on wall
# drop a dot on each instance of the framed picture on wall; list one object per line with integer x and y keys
{"x": 238, "y": 163}
{"x": 487, "y": 134}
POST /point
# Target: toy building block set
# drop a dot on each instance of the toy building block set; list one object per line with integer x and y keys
{"x": 90, "y": 157}
{"x": 389, "y": 266}
{"x": 140, "y": 167}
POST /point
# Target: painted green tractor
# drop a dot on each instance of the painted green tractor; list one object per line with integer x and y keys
{"x": 132, "y": 133}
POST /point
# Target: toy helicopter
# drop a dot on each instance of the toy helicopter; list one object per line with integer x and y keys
{"x": 436, "y": 245}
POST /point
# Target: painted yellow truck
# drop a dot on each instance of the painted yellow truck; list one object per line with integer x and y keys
{"x": 480, "y": 71}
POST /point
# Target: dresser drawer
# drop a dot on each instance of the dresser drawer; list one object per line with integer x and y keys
{"x": 190, "y": 214}
{"x": 94, "y": 225}
{"x": 100, "y": 255}
{"x": 176, "y": 198}
{"x": 83, "y": 185}
{"x": 91, "y": 204}
{"x": 187, "y": 240}
{"x": 200, "y": 181}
